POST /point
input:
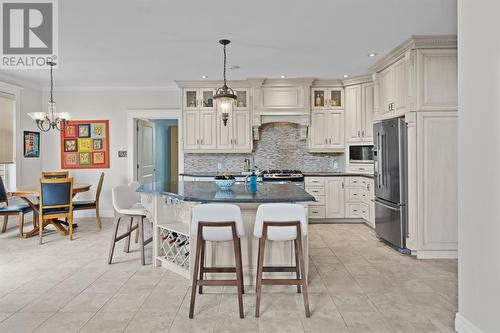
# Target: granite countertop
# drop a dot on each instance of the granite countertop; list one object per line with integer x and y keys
{"x": 307, "y": 174}
{"x": 239, "y": 192}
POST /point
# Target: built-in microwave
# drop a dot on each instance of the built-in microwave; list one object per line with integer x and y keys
{"x": 361, "y": 154}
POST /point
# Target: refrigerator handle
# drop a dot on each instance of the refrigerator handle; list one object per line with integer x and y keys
{"x": 386, "y": 206}
{"x": 379, "y": 160}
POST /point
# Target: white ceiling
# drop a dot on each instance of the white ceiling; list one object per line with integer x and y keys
{"x": 153, "y": 42}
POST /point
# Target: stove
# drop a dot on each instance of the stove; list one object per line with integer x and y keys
{"x": 295, "y": 176}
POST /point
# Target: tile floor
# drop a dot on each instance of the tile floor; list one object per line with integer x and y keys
{"x": 357, "y": 284}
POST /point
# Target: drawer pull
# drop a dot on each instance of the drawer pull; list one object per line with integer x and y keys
{"x": 315, "y": 212}
{"x": 354, "y": 210}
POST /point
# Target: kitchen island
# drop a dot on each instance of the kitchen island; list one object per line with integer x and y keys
{"x": 169, "y": 206}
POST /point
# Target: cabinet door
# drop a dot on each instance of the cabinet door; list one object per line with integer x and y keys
{"x": 225, "y": 133}
{"x": 319, "y": 129}
{"x": 190, "y": 99}
{"x": 353, "y": 113}
{"x": 335, "y": 98}
{"x": 191, "y": 121}
{"x": 241, "y": 127}
{"x": 335, "y": 127}
{"x": 207, "y": 135}
{"x": 242, "y": 99}
{"x": 335, "y": 197}
{"x": 319, "y": 97}
{"x": 368, "y": 110}
{"x": 400, "y": 70}
{"x": 386, "y": 90}
{"x": 207, "y": 99}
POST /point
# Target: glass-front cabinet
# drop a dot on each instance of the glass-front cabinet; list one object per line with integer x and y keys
{"x": 201, "y": 99}
{"x": 207, "y": 99}
{"x": 327, "y": 98}
{"x": 190, "y": 99}
{"x": 242, "y": 95}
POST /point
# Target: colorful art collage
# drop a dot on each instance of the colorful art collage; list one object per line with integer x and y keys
{"x": 84, "y": 144}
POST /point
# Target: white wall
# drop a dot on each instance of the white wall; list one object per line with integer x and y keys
{"x": 113, "y": 106}
{"x": 479, "y": 166}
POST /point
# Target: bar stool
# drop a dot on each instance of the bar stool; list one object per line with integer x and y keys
{"x": 281, "y": 222}
{"x": 216, "y": 223}
{"x": 125, "y": 205}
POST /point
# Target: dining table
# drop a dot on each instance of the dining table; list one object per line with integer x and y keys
{"x": 30, "y": 192}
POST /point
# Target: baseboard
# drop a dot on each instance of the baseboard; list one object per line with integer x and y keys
{"x": 433, "y": 254}
{"x": 462, "y": 325}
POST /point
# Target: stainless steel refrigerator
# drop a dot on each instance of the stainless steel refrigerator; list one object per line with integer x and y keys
{"x": 390, "y": 159}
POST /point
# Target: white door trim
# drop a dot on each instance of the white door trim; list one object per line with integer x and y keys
{"x": 133, "y": 114}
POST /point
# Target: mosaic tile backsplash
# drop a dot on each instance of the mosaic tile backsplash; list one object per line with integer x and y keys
{"x": 279, "y": 147}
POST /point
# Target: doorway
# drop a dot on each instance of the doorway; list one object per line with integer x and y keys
{"x": 157, "y": 150}
{"x": 7, "y": 135}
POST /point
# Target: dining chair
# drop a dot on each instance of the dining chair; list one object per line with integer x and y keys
{"x": 10, "y": 210}
{"x": 92, "y": 204}
{"x": 56, "y": 201}
{"x": 55, "y": 174}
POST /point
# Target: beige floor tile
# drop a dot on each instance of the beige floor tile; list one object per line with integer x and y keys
{"x": 233, "y": 323}
{"x": 343, "y": 286}
{"x": 272, "y": 322}
{"x": 124, "y": 303}
{"x": 107, "y": 322}
{"x": 65, "y": 322}
{"x": 150, "y": 322}
{"x": 23, "y": 322}
{"x": 324, "y": 322}
{"x": 365, "y": 322}
{"x": 86, "y": 303}
{"x": 182, "y": 324}
{"x": 206, "y": 305}
{"x": 15, "y": 302}
{"x": 48, "y": 303}
{"x": 5, "y": 315}
{"x": 354, "y": 303}
{"x": 158, "y": 302}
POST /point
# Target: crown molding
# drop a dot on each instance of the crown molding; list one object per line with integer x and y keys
{"x": 111, "y": 88}
{"x": 7, "y": 79}
{"x": 211, "y": 83}
{"x": 413, "y": 43}
{"x": 327, "y": 82}
{"x": 358, "y": 80}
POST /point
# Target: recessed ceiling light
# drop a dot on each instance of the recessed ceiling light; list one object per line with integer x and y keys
{"x": 372, "y": 54}
{"x": 283, "y": 76}
{"x": 346, "y": 75}
{"x": 233, "y": 67}
{"x": 204, "y": 77}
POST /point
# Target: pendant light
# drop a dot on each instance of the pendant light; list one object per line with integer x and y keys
{"x": 225, "y": 96}
{"x": 45, "y": 121}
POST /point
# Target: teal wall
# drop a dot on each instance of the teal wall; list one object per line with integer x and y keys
{"x": 162, "y": 148}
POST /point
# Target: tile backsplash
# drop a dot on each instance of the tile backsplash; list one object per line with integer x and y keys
{"x": 279, "y": 147}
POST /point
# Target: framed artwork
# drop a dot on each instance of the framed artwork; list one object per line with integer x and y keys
{"x": 31, "y": 144}
{"x": 85, "y": 144}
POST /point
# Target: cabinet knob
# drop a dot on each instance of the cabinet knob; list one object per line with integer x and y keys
{"x": 359, "y": 132}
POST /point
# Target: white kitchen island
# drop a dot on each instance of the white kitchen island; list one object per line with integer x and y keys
{"x": 169, "y": 206}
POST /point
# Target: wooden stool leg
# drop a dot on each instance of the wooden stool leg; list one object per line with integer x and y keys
{"x": 260, "y": 268}
{"x": 126, "y": 246}
{"x": 241, "y": 270}
{"x": 256, "y": 276}
{"x": 302, "y": 268}
{"x": 113, "y": 238}
{"x": 202, "y": 264}
{"x": 141, "y": 239}
{"x": 21, "y": 225}
{"x": 297, "y": 267}
{"x": 195, "y": 273}
{"x": 5, "y": 221}
{"x": 136, "y": 235}
{"x": 237, "y": 259}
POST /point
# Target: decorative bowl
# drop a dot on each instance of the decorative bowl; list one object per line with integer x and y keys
{"x": 226, "y": 183}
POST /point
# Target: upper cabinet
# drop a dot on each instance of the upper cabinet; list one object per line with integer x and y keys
{"x": 359, "y": 113}
{"x": 326, "y": 133}
{"x": 419, "y": 75}
{"x": 327, "y": 98}
{"x": 203, "y": 130}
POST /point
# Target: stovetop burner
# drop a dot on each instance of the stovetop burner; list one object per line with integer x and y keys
{"x": 292, "y": 175}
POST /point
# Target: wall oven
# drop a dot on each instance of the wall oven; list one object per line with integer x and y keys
{"x": 360, "y": 154}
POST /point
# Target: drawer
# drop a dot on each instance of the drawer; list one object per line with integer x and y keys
{"x": 315, "y": 181}
{"x": 320, "y": 200}
{"x": 365, "y": 212}
{"x": 317, "y": 212}
{"x": 361, "y": 168}
{"x": 315, "y": 191}
{"x": 354, "y": 181}
{"x": 353, "y": 210}
{"x": 364, "y": 195}
{"x": 353, "y": 194}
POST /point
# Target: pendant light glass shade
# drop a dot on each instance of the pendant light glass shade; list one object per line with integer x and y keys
{"x": 225, "y": 96}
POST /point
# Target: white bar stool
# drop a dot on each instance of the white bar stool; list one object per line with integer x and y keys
{"x": 125, "y": 205}
{"x": 281, "y": 222}
{"x": 217, "y": 223}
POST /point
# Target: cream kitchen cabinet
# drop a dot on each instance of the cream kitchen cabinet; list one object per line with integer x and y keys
{"x": 199, "y": 130}
{"x": 393, "y": 89}
{"x": 236, "y": 135}
{"x": 324, "y": 98}
{"x": 335, "y": 197}
{"x": 198, "y": 99}
{"x": 326, "y": 131}
{"x": 359, "y": 113}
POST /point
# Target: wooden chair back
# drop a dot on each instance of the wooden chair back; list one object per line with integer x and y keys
{"x": 3, "y": 193}
{"x": 56, "y": 193}
{"x": 99, "y": 188}
{"x": 55, "y": 174}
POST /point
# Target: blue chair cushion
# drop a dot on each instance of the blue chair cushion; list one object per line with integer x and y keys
{"x": 15, "y": 208}
{"x": 51, "y": 211}
{"x": 83, "y": 204}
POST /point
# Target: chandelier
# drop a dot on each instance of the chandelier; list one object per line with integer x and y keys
{"x": 225, "y": 96}
{"x": 45, "y": 121}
